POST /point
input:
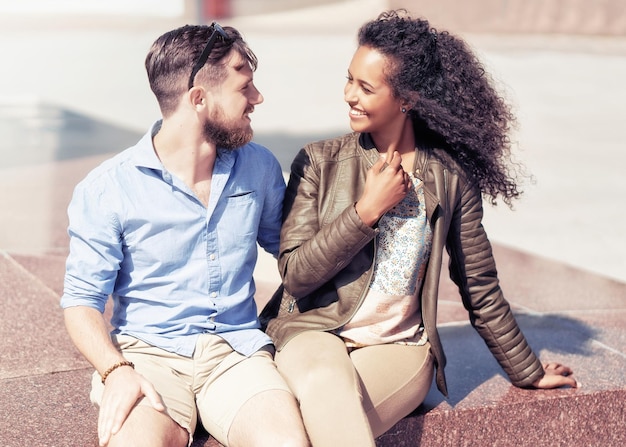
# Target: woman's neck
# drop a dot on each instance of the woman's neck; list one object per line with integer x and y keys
{"x": 401, "y": 140}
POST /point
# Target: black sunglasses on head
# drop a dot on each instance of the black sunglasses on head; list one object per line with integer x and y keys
{"x": 218, "y": 31}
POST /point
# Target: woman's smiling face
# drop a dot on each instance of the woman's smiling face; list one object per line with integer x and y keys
{"x": 372, "y": 104}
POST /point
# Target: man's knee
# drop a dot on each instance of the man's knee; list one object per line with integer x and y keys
{"x": 150, "y": 428}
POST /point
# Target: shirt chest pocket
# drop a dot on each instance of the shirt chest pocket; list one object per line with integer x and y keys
{"x": 240, "y": 216}
{"x": 241, "y": 198}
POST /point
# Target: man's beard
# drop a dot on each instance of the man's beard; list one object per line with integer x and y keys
{"x": 224, "y": 134}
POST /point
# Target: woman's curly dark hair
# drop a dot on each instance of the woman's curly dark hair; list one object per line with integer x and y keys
{"x": 450, "y": 94}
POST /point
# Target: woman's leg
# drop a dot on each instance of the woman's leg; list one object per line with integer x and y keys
{"x": 394, "y": 380}
{"x": 319, "y": 372}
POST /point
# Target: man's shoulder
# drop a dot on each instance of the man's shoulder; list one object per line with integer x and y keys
{"x": 140, "y": 153}
{"x": 111, "y": 166}
{"x": 255, "y": 149}
{"x": 257, "y": 155}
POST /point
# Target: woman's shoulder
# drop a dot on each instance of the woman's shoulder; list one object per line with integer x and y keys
{"x": 440, "y": 157}
{"x": 332, "y": 148}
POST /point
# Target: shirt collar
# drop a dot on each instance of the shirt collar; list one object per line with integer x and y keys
{"x": 145, "y": 156}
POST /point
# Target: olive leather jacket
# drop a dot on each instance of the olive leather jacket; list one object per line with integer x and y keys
{"x": 327, "y": 252}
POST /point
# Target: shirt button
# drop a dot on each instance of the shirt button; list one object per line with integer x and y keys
{"x": 213, "y": 294}
{"x": 212, "y": 257}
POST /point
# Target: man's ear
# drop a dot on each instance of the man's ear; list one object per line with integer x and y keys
{"x": 199, "y": 98}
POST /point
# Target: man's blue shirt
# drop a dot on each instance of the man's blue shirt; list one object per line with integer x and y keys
{"x": 174, "y": 268}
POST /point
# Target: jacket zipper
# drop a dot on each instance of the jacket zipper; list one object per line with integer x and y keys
{"x": 292, "y": 303}
{"x": 363, "y": 293}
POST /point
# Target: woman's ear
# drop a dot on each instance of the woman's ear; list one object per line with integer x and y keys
{"x": 411, "y": 101}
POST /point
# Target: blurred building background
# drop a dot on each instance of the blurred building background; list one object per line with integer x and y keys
{"x": 588, "y": 17}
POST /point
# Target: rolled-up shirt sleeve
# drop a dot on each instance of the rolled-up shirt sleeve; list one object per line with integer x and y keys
{"x": 95, "y": 249}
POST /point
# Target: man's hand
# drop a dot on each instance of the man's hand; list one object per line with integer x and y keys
{"x": 556, "y": 375}
{"x": 123, "y": 388}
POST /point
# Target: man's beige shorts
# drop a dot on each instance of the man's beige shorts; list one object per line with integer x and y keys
{"x": 213, "y": 384}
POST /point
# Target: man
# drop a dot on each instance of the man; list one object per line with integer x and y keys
{"x": 169, "y": 229}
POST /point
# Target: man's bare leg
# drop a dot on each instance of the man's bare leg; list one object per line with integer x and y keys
{"x": 150, "y": 428}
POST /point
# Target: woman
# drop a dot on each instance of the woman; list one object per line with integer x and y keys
{"x": 367, "y": 217}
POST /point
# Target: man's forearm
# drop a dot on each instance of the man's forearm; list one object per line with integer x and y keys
{"x": 88, "y": 331}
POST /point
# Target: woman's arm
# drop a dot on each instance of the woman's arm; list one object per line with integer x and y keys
{"x": 473, "y": 269}
{"x": 311, "y": 253}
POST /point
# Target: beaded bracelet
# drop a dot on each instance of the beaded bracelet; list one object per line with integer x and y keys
{"x": 114, "y": 367}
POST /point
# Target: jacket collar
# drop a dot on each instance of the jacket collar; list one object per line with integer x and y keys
{"x": 421, "y": 169}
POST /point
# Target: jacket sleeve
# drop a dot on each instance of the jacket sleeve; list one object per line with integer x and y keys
{"x": 472, "y": 268}
{"x": 312, "y": 252}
